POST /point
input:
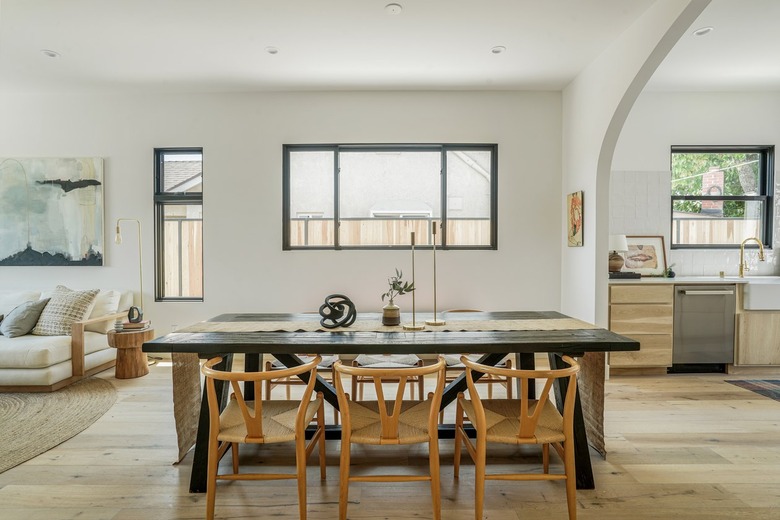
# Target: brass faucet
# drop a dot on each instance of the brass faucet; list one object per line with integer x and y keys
{"x": 742, "y": 266}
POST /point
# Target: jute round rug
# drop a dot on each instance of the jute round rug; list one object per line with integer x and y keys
{"x": 32, "y": 423}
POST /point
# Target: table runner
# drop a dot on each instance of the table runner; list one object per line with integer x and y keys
{"x": 376, "y": 326}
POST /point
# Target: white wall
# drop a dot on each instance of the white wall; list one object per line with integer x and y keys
{"x": 242, "y": 136}
{"x": 660, "y": 120}
{"x": 595, "y": 106}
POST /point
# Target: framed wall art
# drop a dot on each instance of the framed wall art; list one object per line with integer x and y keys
{"x": 51, "y": 211}
{"x": 574, "y": 218}
{"x": 646, "y": 255}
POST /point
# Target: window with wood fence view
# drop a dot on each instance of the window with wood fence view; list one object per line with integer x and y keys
{"x": 179, "y": 219}
{"x": 369, "y": 196}
{"x": 721, "y": 196}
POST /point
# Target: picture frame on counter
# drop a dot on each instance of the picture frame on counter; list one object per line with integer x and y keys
{"x": 646, "y": 255}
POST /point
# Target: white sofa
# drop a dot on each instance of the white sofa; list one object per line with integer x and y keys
{"x": 32, "y": 363}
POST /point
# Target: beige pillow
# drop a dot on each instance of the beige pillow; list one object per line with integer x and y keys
{"x": 65, "y": 307}
{"x": 105, "y": 303}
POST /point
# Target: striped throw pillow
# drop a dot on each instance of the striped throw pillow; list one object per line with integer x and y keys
{"x": 65, "y": 307}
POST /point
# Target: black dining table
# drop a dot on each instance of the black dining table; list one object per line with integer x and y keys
{"x": 494, "y": 345}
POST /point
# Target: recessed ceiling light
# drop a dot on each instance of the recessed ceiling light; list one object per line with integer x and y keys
{"x": 272, "y": 50}
{"x": 703, "y": 30}
{"x": 393, "y": 8}
{"x": 50, "y": 53}
{"x": 498, "y": 49}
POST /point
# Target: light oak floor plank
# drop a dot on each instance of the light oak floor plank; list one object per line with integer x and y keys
{"x": 680, "y": 446}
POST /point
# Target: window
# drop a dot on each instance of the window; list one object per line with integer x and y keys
{"x": 374, "y": 196}
{"x": 721, "y": 195}
{"x": 178, "y": 206}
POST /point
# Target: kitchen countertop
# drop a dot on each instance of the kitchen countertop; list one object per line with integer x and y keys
{"x": 684, "y": 280}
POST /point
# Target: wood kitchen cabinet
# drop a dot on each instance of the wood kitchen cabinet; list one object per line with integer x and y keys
{"x": 644, "y": 313}
{"x": 757, "y": 338}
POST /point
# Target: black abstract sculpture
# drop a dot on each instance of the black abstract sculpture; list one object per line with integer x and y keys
{"x": 337, "y": 311}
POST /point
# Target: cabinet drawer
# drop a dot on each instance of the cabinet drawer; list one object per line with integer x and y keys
{"x": 641, "y": 294}
{"x": 645, "y": 319}
{"x": 655, "y": 350}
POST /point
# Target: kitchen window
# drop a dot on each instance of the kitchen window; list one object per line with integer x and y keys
{"x": 375, "y": 196}
{"x": 178, "y": 206}
{"x": 721, "y": 195}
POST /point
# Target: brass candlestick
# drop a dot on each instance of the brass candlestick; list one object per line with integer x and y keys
{"x": 414, "y": 325}
{"x": 435, "y": 321}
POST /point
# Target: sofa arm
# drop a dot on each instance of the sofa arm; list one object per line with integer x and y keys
{"x": 77, "y": 340}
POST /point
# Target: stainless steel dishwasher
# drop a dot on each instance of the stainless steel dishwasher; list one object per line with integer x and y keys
{"x": 704, "y": 324}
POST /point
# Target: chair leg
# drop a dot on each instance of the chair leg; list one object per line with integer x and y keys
{"x": 300, "y": 464}
{"x": 571, "y": 478}
{"x": 344, "y": 480}
{"x": 546, "y": 458}
{"x": 211, "y": 482}
{"x": 287, "y": 387}
{"x": 321, "y": 427}
{"x": 234, "y": 455}
{"x": 433, "y": 459}
{"x": 479, "y": 477}
{"x": 458, "y": 440}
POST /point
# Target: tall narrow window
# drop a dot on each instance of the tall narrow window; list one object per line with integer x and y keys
{"x": 375, "y": 196}
{"x": 721, "y": 195}
{"x": 178, "y": 201}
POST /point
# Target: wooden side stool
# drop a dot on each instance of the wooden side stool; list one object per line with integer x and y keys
{"x": 131, "y": 361}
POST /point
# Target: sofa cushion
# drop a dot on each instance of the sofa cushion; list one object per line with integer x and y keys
{"x": 22, "y": 319}
{"x": 106, "y": 302}
{"x": 44, "y": 351}
{"x": 10, "y": 300}
{"x": 65, "y": 307}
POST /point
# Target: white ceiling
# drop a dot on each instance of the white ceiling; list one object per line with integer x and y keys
{"x": 219, "y": 45}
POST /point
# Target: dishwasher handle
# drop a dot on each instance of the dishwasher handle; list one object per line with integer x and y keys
{"x": 707, "y": 293}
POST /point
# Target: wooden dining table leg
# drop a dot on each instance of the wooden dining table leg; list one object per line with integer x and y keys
{"x": 581, "y": 450}
{"x": 526, "y": 361}
{"x": 328, "y": 391}
{"x": 198, "y": 475}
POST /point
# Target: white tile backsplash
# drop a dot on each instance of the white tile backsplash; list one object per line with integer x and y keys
{"x": 640, "y": 204}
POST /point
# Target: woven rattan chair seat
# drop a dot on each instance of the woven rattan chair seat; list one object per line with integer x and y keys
{"x": 503, "y": 423}
{"x": 278, "y": 421}
{"x": 387, "y": 360}
{"x": 326, "y": 363}
{"x": 453, "y": 360}
{"x": 367, "y": 427}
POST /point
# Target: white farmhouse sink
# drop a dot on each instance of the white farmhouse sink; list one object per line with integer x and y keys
{"x": 762, "y": 293}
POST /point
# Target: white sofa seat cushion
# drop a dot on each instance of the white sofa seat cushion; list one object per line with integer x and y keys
{"x": 44, "y": 351}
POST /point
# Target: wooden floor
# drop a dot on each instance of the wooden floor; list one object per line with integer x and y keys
{"x": 680, "y": 447}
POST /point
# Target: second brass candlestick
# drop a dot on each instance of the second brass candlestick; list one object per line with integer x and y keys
{"x": 435, "y": 321}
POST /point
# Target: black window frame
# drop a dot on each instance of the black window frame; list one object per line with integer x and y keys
{"x": 162, "y": 199}
{"x": 443, "y": 148}
{"x": 765, "y": 184}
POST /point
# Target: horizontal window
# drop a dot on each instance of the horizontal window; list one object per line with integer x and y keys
{"x": 721, "y": 196}
{"x": 375, "y": 196}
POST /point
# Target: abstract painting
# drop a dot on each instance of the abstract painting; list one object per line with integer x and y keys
{"x": 51, "y": 211}
{"x": 574, "y": 218}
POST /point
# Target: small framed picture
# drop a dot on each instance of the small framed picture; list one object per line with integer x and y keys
{"x": 574, "y": 216}
{"x": 646, "y": 255}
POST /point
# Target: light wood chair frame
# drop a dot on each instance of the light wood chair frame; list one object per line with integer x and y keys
{"x": 287, "y": 382}
{"x": 253, "y": 421}
{"x": 390, "y": 420}
{"x": 529, "y": 417}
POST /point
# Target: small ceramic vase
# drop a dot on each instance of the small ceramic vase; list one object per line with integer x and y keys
{"x": 391, "y": 314}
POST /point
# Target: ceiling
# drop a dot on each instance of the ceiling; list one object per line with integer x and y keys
{"x": 213, "y": 45}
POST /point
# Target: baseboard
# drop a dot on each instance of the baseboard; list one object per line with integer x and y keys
{"x": 753, "y": 370}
